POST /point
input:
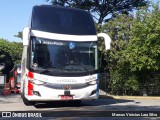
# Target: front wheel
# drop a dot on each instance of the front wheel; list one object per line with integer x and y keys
{"x": 26, "y": 101}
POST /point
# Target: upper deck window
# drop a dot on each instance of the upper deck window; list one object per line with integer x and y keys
{"x": 62, "y": 20}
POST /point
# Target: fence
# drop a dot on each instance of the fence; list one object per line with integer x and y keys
{"x": 103, "y": 84}
{"x": 151, "y": 87}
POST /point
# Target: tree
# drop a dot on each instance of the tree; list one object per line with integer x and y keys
{"x": 102, "y": 9}
{"x": 119, "y": 31}
{"x": 135, "y": 50}
{"x": 16, "y": 52}
{"x": 5, "y": 57}
{"x": 121, "y": 76}
{"x": 141, "y": 55}
{"x": 19, "y": 35}
{"x": 143, "y": 51}
{"x": 10, "y": 54}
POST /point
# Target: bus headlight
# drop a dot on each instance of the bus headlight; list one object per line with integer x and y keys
{"x": 93, "y": 82}
{"x": 37, "y": 82}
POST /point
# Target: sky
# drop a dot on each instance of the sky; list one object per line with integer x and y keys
{"x": 14, "y": 16}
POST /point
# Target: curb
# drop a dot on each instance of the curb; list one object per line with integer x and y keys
{"x": 130, "y": 97}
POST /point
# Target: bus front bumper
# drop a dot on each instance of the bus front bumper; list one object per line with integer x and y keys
{"x": 42, "y": 93}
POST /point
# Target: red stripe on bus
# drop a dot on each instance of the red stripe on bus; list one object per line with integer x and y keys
{"x": 30, "y": 88}
{"x": 30, "y": 75}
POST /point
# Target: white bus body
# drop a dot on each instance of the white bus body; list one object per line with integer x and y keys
{"x": 60, "y": 58}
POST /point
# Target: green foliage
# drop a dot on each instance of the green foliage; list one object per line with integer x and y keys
{"x": 5, "y": 57}
{"x": 135, "y": 50}
{"x": 143, "y": 51}
{"x": 131, "y": 84}
{"x": 117, "y": 83}
{"x": 100, "y": 9}
{"x": 16, "y": 52}
{"x": 124, "y": 84}
{"x": 10, "y": 54}
{"x": 119, "y": 31}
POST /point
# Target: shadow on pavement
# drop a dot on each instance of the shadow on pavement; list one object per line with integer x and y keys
{"x": 85, "y": 103}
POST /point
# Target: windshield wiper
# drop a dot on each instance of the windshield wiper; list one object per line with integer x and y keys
{"x": 47, "y": 70}
{"x": 84, "y": 67}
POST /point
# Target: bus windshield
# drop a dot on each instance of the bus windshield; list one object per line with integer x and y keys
{"x": 63, "y": 56}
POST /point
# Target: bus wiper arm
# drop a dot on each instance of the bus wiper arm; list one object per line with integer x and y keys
{"x": 84, "y": 67}
{"x": 47, "y": 70}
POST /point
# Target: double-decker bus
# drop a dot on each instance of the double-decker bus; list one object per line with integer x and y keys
{"x": 60, "y": 58}
{"x": 14, "y": 79}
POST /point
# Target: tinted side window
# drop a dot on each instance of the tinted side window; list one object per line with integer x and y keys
{"x": 62, "y": 21}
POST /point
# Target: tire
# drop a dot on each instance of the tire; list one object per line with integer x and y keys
{"x": 26, "y": 101}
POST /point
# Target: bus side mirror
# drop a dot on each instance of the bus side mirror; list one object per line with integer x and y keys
{"x": 107, "y": 40}
{"x": 26, "y": 31}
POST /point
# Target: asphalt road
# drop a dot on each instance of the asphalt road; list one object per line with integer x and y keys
{"x": 100, "y": 108}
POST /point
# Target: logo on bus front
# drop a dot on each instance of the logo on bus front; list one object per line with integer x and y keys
{"x": 67, "y": 87}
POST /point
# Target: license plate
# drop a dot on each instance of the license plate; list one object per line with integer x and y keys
{"x": 64, "y": 97}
